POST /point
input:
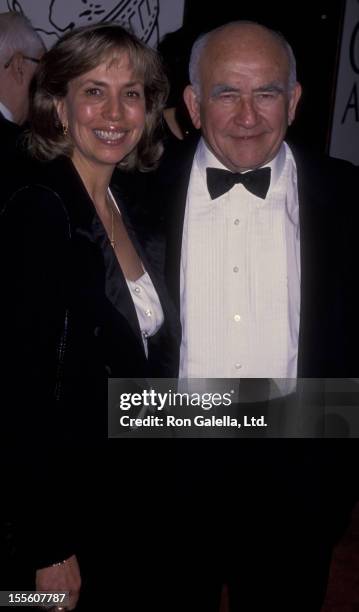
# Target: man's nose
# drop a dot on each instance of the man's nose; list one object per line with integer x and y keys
{"x": 246, "y": 112}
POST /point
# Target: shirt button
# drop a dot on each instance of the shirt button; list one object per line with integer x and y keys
{"x": 237, "y": 318}
{"x": 137, "y": 290}
{"x": 236, "y": 222}
{"x": 235, "y": 269}
{"x": 148, "y": 312}
{"x": 238, "y": 366}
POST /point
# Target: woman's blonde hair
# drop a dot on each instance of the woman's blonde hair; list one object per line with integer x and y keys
{"x": 75, "y": 54}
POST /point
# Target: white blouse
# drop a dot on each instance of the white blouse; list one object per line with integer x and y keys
{"x": 148, "y": 306}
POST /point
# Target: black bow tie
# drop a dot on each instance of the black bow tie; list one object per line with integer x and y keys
{"x": 220, "y": 181}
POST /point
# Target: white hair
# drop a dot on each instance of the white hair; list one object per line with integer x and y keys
{"x": 204, "y": 39}
{"x": 17, "y": 34}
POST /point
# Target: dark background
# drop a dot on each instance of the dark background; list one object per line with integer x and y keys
{"x": 314, "y": 32}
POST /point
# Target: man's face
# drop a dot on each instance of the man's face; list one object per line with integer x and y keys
{"x": 16, "y": 76}
{"x": 29, "y": 67}
{"x": 244, "y": 107}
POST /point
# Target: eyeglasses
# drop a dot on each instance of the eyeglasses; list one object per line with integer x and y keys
{"x": 27, "y": 57}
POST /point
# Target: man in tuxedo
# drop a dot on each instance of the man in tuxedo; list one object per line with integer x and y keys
{"x": 261, "y": 263}
{"x": 20, "y": 51}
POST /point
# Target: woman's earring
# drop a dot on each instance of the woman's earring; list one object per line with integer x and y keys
{"x": 65, "y": 129}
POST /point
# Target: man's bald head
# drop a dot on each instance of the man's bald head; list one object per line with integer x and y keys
{"x": 242, "y": 33}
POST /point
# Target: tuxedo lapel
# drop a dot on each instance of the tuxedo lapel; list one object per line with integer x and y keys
{"x": 174, "y": 233}
{"x": 322, "y": 290}
{"x": 307, "y": 255}
{"x": 173, "y": 185}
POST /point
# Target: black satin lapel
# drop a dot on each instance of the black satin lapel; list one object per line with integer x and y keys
{"x": 313, "y": 239}
{"x": 119, "y": 294}
{"x": 174, "y": 231}
{"x": 142, "y": 236}
{"x": 173, "y": 188}
{"x": 116, "y": 288}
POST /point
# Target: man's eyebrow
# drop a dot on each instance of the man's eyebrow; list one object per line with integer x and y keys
{"x": 217, "y": 90}
{"x": 274, "y": 87}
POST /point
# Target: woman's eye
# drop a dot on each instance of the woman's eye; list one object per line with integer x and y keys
{"x": 132, "y": 93}
{"x": 93, "y": 91}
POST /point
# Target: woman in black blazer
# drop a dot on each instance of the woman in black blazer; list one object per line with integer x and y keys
{"x": 84, "y": 301}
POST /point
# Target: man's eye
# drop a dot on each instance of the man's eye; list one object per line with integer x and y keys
{"x": 266, "y": 96}
{"x": 228, "y": 97}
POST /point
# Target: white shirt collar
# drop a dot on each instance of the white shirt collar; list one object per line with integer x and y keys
{"x": 206, "y": 158}
{"x": 6, "y": 112}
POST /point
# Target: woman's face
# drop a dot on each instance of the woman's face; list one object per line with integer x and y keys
{"x": 104, "y": 111}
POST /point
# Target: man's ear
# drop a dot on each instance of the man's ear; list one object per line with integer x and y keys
{"x": 293, "y": 102}
{"x": 17, "y": 67}
{"x": 192, "y": 102}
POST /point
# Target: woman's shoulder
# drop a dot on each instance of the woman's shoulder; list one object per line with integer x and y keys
{"x": 26, "y": 171}
{"x": 35, "y": 201}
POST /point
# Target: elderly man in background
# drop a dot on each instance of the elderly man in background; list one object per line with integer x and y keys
{"x": 20, "y": 51}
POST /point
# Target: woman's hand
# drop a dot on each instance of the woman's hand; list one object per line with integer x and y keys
{"x": 61, "y": 577}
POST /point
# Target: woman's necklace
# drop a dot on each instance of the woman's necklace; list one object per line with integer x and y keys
{"x": 112, "y": 239}
{"x": 110, "y": 204}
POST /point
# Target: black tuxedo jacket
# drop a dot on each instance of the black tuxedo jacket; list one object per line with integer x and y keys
{"x": 319, "y": 473}
{"x": 328, "y": 195}
{"x": 14, "y": 161}
{"x": 68, "y": 327}
{"x": 10, "y": 137}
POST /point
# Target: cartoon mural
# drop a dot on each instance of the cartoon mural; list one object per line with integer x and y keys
{"x": 149, "y": 19}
